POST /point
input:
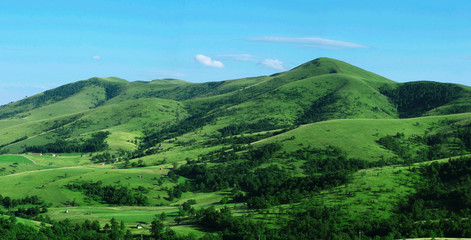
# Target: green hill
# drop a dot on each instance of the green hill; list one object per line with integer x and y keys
{"x": 325, "y": 140}
{"x": 322, "y": 89}
{"x": 359, "y": 137}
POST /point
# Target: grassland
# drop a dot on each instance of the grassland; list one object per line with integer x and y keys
{"x": 322, "y": 103}
{"x": 372, "y": 193}
{"x": 14, "y": 159}
{"x": 358, "y": 137}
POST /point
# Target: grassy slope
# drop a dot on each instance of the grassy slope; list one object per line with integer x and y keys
{"x": 360, "y": 100}
{"x": 14, "y": 159}
{"x": 38, "y": 120}
{"x": 134, "y": 90}
{"x": 128, "y": 119}
{"x": 373, "y": 192}
{"x": 357, "y": 137}
{"x": 125, "y": 121}
{"x": 280, "y": 100}
{"x": 82, "y": 101}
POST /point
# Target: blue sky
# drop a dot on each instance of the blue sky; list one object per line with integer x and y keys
{"x": 45, "y": 44}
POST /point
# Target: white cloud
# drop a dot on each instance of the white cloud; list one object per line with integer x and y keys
{"x": 96, "y": 57}
{"x": 207, "y": 61}
{"x": 274, "y": 63}
{"x": 239, "y": 57}
{"x": 310, "y": 41}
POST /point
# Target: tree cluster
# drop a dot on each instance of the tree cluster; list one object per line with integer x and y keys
{"x": 93, "y": 144}
{"x": 8, "y": 202}
{"x": 154, "y": 136}
{"x": 263, "y": 187}
{"x": 456, "y": 140}
{"x": 415, "y": 98}
{"x": 236, "y": 129}
{"x": 320, "y": 110}
{"x": 119, "y": 195}
{"x": 11, "y": 229}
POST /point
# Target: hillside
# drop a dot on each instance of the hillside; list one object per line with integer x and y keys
{"x": 322, "y": 89}
{"x": 243, "y": 158}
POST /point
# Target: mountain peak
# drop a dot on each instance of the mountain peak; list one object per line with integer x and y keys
{"x": 325, "y": 65}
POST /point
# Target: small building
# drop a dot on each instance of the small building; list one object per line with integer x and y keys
{"x": 102, "y": 163}
{"x": 54, "y": 155}
{"x": 139, "y": 226}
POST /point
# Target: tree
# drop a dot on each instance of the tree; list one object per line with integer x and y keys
{"x": 157, "y": 229}
{"x": 7, "y": 203}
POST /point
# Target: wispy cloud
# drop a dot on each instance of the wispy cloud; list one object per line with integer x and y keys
{"x": 207, "y": 61}
{"x": 239, "y": 57}
{"x": 96, "y": 57}
{"x": 310, "y": 41}
{"x": 274, "y": 64}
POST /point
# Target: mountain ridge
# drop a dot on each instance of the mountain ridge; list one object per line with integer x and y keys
{"x": 318, "y": 90}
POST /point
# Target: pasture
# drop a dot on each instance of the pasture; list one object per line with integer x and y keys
{"x": 15, "y": 159}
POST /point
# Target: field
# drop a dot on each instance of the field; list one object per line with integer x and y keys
{"x": 15, "y": 159}
{"x": 371, "y": 191}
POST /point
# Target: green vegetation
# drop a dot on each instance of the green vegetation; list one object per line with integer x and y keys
{"x": 416, "y": 98}
{"x": 94, "y": 144}
{"x": 322, "y": 151}
{"x": 118, "y": 195}
{"x": 14, "y": 159}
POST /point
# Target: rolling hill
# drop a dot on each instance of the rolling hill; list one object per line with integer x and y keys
{"x": 262, "y": 142}
{"x": 319, "y": 90}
